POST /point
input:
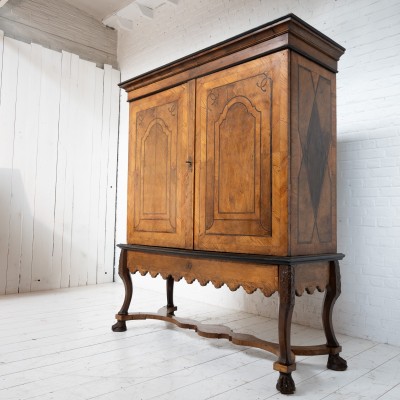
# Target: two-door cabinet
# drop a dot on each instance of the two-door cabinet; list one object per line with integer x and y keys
{"x": 232, "y": 178}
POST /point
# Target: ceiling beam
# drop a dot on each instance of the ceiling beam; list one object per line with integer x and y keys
{"x": 146, "y": 11}
{"x": 117, "y": 22}
{"x": 123, "y": 17}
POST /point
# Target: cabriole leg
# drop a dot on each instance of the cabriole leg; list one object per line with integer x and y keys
{"x": 333, "y": 290}
{"x": 286, "y": 362}
{"x": 170, "y": 296}
{"x": 124, "y": 273}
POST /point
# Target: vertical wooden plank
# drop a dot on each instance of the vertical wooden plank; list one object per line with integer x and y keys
{"x": 1, "y": 54}
{"x": 73, "y": 158}
{"x": 75, "y": 133}
{"x": 69, "y": 144}
{"x": 95, "y": 176}
{"x": 3, "y": 265}
{"x": 61, "y": 168}
{"x": 31, "y": 116}
{"x": 8, "y": 98}
{"x": 3, "y": 262}
{"x": 111, "y": 180}
{"x": 19, "y": 210}
{"x": 91, "y": 107}
{"x": 82, "y": 170}
{"x": 101, "y": 236}
{"x": 46, "y": 170}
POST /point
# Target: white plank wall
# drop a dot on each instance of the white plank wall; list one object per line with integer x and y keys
{"x": 58, "y": 160}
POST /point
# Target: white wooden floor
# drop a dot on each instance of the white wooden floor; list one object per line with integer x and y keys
{"x": 59, "y": 345}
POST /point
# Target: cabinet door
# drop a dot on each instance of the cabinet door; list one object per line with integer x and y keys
{"x": 241, "y": 158}
{"x": 160, "y": 181}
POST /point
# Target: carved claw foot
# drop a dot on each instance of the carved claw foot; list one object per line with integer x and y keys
{"x": 336, "y": 363}
{"x": 285, "y": 383}
{"x": 119, "y": 326}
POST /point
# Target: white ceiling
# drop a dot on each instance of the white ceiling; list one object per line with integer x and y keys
{"x": 119, "y": 14}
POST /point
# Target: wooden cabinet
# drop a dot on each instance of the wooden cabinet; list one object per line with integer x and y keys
{"x": 232, "y": 178}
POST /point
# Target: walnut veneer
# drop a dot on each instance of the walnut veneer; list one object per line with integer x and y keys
{"x": 232, "y": 178}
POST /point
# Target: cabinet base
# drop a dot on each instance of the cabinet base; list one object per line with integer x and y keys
{"x": 288, "y": 284}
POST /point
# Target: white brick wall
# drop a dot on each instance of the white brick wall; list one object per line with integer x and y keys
{"x": 368, "y": 143}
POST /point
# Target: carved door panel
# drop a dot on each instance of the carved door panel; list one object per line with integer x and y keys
{"x": 160, "y": 182}
{"x": 241, "y": 158}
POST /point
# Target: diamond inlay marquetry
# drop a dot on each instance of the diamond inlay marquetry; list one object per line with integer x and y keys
{"x": 315, "y": 131}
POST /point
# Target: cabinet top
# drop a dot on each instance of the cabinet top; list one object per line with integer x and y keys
{"x": 287, "y": 32}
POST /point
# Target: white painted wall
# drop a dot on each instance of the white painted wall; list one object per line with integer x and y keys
{"x": 57, "y": 25}
{"x": 368, "y": 144}
{"x": 58, "y": 156}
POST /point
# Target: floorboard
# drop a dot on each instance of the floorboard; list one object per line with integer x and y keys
{"x": 58, "y": 345}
